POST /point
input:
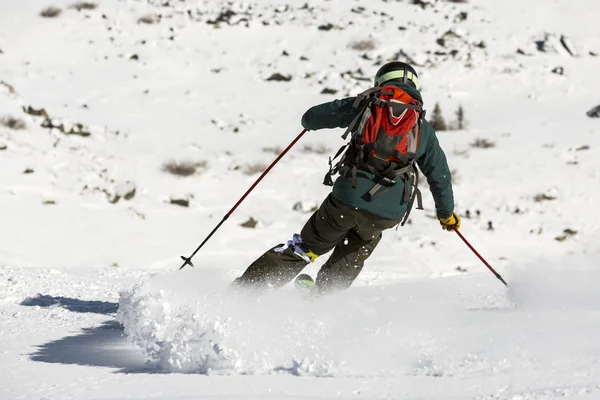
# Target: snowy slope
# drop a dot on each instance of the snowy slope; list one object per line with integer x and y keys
{"x": 92, "y": 217}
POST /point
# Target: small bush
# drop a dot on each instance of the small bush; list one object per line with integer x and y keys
{"x": 50, "y": 12}
{"x": 483, "y": 144}
{"x": 363, "y": 45}
{"x": 13, "y": 123}
{"x": 437, "y": 119}
{"x": 460, "y": 118}
{"x": 84, "y": 5}
{"x": 274, "y": 150}
{"x": 252, "y": 169}
{"x": 183, "y": 168}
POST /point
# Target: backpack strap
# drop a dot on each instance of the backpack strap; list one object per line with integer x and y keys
{"x": 366, "y": 95}
{"x": 413, "y": 175}
{"x": 363, "y": 101}
{"x": 416, "y": 194}
{"x": 328, "y": 180}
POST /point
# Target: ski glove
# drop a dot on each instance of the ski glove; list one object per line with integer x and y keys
{"x": 449, "y": 223}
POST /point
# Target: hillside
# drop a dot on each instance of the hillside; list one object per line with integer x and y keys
{"x": 128, "y": 128}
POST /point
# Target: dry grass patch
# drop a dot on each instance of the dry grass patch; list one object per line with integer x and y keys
{"x": 316, "y": 149}
{"x": 363, "y": 45}
{"x": 149, "y": 19}
{"x": 274, "y": 150}
{"x": 483, "y": 144}
{"x": 184, "y": 168}
{"x": 50, "y": 12}
{"x": 84, "y": 5}
{"x": 13, "y": 123}
{"x": 252, "y": 169}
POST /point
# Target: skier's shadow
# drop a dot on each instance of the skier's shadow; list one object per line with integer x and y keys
{"x": 101, "y": 346}
{"x": 74, "y": 305}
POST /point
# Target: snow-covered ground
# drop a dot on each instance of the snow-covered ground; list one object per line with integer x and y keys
{"x": 88, "y": 224}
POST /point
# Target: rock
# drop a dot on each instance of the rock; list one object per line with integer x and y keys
{"x": 594, "y": 112}
{"x": 569, "y": 46}
{"x": 78, "y": 130}
{"x": 28, "y": 171}
{"x": 224, "y": 17}
{"x": 126, "y": 190}
{"x": 75, "y": 129}
{"x": 328, "y": 91}
{"x": 250, "y": 223}
{"x": 462, "y": 16}
{"x": 567, "y": 233}
{"x": 559, "y": 71}
{"x": 543, "y": 197}
{"x": 552, "y": 44}
{"x": 180, "y": 202}
{"x": 36, "y": 113}
{"x": 326, "y": 27}
{"x": 279, "y": 77}
{"x": 421, "y": 3}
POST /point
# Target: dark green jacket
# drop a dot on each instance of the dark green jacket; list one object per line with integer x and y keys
{"x": 430, "y": 159}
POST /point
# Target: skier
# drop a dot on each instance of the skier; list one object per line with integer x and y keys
{"x": 376, "y": 189}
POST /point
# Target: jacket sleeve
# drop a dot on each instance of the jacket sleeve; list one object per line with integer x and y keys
{"x": 334, "y": 114}
{"x": 434, "y": 165}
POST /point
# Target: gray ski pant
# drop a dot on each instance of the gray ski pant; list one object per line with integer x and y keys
{"x": 352, "y": 234}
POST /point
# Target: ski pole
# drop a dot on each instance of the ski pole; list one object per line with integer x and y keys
{"x": 188, "y": 260}
{"x": 480, "y": 257}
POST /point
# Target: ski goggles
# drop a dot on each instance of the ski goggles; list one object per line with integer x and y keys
{"x": 398, "y": 75}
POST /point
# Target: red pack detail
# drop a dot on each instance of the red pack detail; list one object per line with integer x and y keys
{"x": 382, "y": 121}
